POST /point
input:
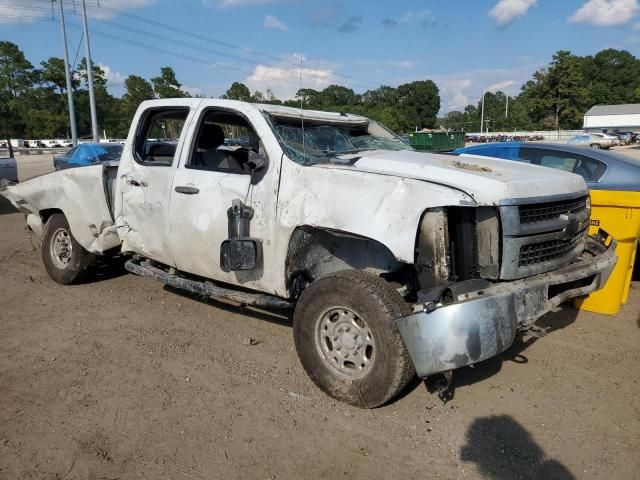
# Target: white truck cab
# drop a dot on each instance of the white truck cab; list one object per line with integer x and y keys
{"x": 396, "y": 262}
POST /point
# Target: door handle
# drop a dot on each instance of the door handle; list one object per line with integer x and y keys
{"x": 188, "y": 190}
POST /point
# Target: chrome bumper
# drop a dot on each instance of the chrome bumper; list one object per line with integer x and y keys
{"x": 484, "y": 324}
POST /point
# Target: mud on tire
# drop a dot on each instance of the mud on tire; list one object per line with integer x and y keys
{"x": 346, "y": 338}
{"x": 64, "y": 258}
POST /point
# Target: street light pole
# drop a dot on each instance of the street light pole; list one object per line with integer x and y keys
{"x": 506, "y": 108}
{"x": 92, "y": 96}
{"x": 67, "y": 72}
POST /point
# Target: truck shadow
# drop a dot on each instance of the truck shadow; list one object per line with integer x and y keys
{"x": 107, "y": 268}
{"x": 551, "y": 322}
{"x": 502, "y": 449}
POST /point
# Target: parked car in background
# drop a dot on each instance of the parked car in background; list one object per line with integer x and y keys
{"x": 88, "y": 154}
{"x": 625, "y": 138}
{"x": 8, "y": 165}
{"x": 601, "y": 170}
{"x": 595, "y": 140}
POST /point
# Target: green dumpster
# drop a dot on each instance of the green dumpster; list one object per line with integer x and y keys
{"x": 436, "y": 141}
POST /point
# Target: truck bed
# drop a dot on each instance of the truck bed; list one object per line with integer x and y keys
{"x": 84, "y": 195}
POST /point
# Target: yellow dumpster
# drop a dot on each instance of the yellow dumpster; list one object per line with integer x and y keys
{"x": 618, "y": 213}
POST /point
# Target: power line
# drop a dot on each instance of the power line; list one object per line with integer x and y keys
{"x": 181, "y": 43}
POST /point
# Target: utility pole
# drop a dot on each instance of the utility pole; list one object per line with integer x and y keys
{"x": 87, "y": 56}
{"x": 67, "y": 72}
{"x": 482, "y": 115}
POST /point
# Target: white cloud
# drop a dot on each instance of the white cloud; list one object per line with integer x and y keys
{"x": 194, "y": 91}
{"x": 454, "y": 93}
{"x": 464, "y": 88}
{"x": 506, "y": 11}
{"x": 284, "y": 79}
{"x": 605, "y": 13}
{"x": 501, "y": 86}
{"x": 425, "y": 18}
{"x": 34, "y": 10}
{"x": 272, "y": 22}
{"x": 114, "y": 79}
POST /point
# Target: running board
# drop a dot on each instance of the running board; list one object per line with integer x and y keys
{"x": 208, "y": 289}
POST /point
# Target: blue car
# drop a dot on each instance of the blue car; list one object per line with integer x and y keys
{"x": 88, "y": 154}
{"x": 602, "y": 170}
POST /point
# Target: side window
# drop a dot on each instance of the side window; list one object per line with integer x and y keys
{"x": 226, "y": 142}
{"x": 157, "y": 137}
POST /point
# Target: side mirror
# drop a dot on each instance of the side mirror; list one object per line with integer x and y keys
{"x": 240, "y": 254}
{"x": 257, "y": 161}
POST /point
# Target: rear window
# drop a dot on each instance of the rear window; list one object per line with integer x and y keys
{"x": 588, "y": 168}
{"x": 158, "y": 135}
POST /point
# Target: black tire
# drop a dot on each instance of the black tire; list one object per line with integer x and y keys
{"x": 71, "y": 265}
{"x": 596, "y": 146}
{"x": 369, "y": 296}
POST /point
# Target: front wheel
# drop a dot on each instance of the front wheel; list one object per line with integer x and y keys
{"x": 596, "y": 146}
{"x": 64, "y": 258}
{"x": 347, "y": 340}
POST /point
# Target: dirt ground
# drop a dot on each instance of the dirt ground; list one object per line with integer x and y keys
{"x": 121, "y": 378}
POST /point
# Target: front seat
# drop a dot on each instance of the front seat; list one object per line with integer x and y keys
{"x": 208, "y": 155}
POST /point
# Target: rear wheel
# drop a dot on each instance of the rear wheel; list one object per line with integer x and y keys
{"x": 596, "y": 146}
{"x": 345, "y": 335}
{"x": 64, "y": 258}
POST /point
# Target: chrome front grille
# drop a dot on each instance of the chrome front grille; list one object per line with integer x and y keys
{"x": 549, "y": 250}
{"x": 541, "y": 236}
{"x": 551, "y": 210}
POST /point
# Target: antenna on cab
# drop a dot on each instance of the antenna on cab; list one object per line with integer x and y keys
{"x": 304, "y": 150}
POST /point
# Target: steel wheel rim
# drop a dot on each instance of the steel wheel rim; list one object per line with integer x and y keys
{"x": 61, "y": 248}
{"x": 345, "y": 342}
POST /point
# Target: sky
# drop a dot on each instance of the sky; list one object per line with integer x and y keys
{"x": 465, "y": 46}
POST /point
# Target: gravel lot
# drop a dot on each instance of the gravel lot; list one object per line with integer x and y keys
{"x": 122, "y": 378}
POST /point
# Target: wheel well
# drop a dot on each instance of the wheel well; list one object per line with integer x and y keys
{"x": 46, "y": 214}
{"x": 314, "y": 253}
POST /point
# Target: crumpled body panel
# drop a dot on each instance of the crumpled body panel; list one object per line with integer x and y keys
{"x": 80, "y": 194}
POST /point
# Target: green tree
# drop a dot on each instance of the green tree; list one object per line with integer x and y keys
{"x": 137, "y": 91}
{"x": 419, "y": 101}
{"x": 558, "y": 97}
{"x": 53, "y": 74}
{"x": 167, "y": 85}
{"x": 16, "y": 83}
{"x": 238, "y": 91}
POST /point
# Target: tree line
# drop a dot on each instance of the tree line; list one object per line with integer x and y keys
{"x": 33, "y": 100}
{"x": 557, "y": 96}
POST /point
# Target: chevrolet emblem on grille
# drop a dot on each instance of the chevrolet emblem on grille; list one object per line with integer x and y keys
{"x": 572, "y": 227}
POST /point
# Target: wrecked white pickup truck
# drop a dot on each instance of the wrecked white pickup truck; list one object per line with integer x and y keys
{"x": 397, "y": 262}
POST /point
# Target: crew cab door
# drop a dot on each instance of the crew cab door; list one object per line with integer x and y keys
{"x": 212, "y": 173}
{"x": 145, "y": 178}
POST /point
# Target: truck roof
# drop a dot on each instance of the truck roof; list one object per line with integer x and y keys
{"x": 291, "y": 112}
{"x": 279, "y": 111}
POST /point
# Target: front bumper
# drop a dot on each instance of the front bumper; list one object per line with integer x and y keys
{"x": 484, "y": 323}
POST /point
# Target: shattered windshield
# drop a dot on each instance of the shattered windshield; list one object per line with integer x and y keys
{"x": 327, "y": 142}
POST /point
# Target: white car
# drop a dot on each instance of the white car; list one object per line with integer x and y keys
{"x": 595, "y": 140}
{"x": 397, "y": 262}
